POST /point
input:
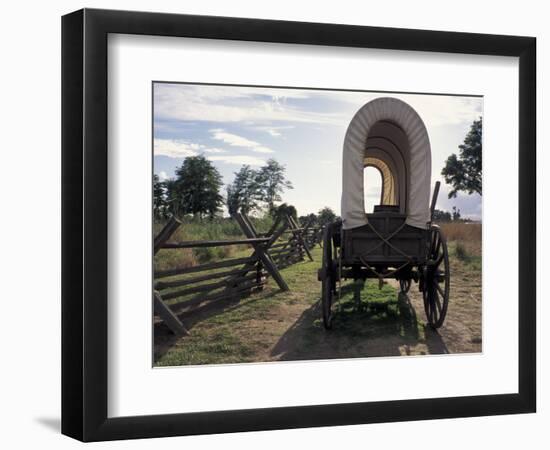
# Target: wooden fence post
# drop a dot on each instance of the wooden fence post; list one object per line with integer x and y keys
{"x": 169, "y": 318}
{"x": 169, "y": 229}
{"x": 298, "y": 235}
{"x": 260, "y": 251}
{"x": 210, "y": 286}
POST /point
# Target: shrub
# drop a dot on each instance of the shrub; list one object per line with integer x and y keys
{"x": 461, "y": 251}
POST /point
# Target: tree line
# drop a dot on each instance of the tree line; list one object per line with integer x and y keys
{"x": 446, "y": 216}
{"x": 196, "y": 190}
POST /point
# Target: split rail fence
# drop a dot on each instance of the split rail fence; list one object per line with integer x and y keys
{"x": 180, "y": 288}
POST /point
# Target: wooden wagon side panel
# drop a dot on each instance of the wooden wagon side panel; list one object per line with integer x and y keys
{"x": 403, "y": 242}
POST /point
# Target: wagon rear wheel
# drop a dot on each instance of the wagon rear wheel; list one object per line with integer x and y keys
{"x": 405, "y": 285}
{"x": 328, "y": 279}
{"x": 437, "y": 278}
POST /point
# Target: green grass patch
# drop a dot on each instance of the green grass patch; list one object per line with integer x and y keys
{"x": 204, "y": 230}
{"x": 208, "y": 347}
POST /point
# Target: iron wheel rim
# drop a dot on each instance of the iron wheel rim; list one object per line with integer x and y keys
{"x": 436, "y": 285}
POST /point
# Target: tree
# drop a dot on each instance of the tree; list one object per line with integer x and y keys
{"x": 244, "y": 194}
{"x": 311, "y": 218}
{"x": 442, "y": 216}
{"x": 464, "y": 172}
{"x": 456, "y": 214}
{"x": 171, "y": 196}
{"x": 197, "y": 188}
{"x": 272, "y": 181}
{"x": 326, "y": 216}
{"x": 159, "y": 198}
{"x": 286, "y": 210}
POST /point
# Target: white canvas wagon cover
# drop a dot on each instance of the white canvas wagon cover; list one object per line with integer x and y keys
{"x": 388, "y": 134}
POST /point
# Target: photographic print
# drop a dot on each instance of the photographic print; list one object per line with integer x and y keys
{"x": 304, "y": 224}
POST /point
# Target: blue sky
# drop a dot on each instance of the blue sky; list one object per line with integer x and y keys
{"x": 302, "y": 129}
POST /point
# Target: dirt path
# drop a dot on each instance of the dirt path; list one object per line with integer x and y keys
{"x": 271, "y": 325}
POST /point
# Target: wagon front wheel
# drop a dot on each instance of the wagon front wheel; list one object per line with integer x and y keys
{"x": 437, "y": 278}
{"x": 327, "y": 277}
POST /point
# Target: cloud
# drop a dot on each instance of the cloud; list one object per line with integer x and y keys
{"x": 470, "y": 205}
{"x": 237, "y": 104}
{"x": 274, "y": 131}
{"x": 238, "y": 159}
{"x": 435, "y": 110}
{"x": 238, "y": 141}
{"x": 441, "y": 110}
{"x": 215, "y": 150}
{"x": 269, "y": 107}
{"x": 174, "y": 148}
{"x": 162, "y": 175}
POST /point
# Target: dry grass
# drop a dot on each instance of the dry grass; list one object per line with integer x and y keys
{"x": 462, "y": 231}
{"x": 466, "y": 236}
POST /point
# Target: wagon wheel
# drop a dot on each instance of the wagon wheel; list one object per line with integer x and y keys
{"x": 327, "y": 277}
{"x": 437, "y": 279}
{"x": 405, "y": 285}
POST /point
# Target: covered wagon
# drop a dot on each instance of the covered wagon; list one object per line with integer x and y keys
{"x": 398, "y": 239}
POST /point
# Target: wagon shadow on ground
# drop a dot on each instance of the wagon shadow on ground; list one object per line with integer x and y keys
{"x": 367, "y": 329}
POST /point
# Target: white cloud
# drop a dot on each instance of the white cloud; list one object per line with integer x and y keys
{"x": 175, "y": 148}
{"x": 215, "y": 150}
{"x": 235, "y": 104}
{"x": 163, "y": 175}
{"x": 238, "y": 159}
{"x": 273, "y": 131}
{"x": 238, "y": 141}
{"x": 441, "y": 110}
{"x": 267, "y": 107}
{"x": 435, "y": 110}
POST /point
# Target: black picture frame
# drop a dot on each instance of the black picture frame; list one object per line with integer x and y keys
{"x": 84, "y": 224}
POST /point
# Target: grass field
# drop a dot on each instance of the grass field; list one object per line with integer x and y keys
{"x": 195, "y": 230}
{"x": 271, "y": 325}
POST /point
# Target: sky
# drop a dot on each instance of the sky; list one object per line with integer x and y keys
{"x": 300, "y": 128}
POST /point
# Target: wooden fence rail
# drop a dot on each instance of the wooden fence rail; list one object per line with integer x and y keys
{"x": 184, "y": 288}
{"x": 292, "y": 246}
{"x": 181, "y": 288}
{"x": 314, "y": 236}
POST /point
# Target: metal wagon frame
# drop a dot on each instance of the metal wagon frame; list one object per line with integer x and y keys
{"x": 399, "y": 239}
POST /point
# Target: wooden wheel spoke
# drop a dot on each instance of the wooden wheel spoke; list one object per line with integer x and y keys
{"x": 328, "y": 283}
{"x": 435, "y": 239}
{"x": 438, "y": 246}
{"x": 433, "y": 308}
{"x": 440, "y": 290}
{"x": 438, "y": 301}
